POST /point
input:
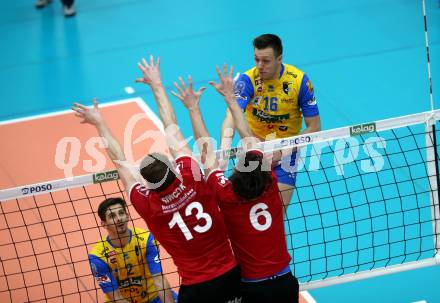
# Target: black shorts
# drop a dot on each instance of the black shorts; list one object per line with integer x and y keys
{"x": 223, "y": 289}
{"x": 282, "y": 289}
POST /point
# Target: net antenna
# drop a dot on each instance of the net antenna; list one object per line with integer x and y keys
{"x": 425, "y": 21}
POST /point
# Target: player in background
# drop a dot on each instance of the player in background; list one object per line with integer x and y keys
{"x": 126, "y": 262}
{"x": 177, "y": 205}
{"x": 275, "y": 98}
{"x": 250, "y": 203}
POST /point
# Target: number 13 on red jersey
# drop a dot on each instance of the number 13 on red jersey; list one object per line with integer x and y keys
{"x": 200, "y": 228}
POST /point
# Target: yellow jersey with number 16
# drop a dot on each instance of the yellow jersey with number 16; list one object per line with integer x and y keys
{"x": 276, "y": 106}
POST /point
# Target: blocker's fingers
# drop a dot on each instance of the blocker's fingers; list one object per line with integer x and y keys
{"x": 176, "y": 95}
{"x": 178, "y": 88}
{"x": 182, "y": 82}
{"x": 145, "y": 63}
{"x": 141, "y": 67}
{"x": 219, "y": 73}
{"x": 80, "y": 106}
{"x": 190, "y": 82}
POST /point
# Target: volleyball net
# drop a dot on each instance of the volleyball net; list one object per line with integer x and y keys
{"x": 365, "y": 204}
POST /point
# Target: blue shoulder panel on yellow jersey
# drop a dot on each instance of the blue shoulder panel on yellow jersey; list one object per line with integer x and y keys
{"x": 244, "y": 90}
{"x": 306, "y": 98}
{"x": 103, "y": 275}
{"x": 152, "y": 257}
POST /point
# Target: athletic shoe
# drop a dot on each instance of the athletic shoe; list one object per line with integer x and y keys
{"x": 41, "y": 3}
{"x": 69, "y": 11}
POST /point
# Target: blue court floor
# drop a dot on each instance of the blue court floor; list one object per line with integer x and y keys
{"x": 366, "y": 59}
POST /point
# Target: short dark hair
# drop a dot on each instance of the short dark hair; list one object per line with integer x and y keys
{"x": 251, "y": 184}
{"x": 104, "y": 205}
{"x": 269, "y": 40}
{"x": 157, "y": 170}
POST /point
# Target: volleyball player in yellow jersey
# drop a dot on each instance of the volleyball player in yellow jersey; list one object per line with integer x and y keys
{"x": 126, "y": 263}
{"x": 275, "y": 97}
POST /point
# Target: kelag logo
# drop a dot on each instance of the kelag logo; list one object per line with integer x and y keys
{"x": 104, "y": 177}
{"x": 361, "y": 129}
{"x": 36, "y": 189}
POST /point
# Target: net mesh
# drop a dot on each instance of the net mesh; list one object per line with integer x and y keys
{"x": 44, "y": 244}
{"x": 361, "y": 202}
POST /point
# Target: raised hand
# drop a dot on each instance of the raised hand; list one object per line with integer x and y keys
{"x": 226, "y": 85}
{"x": 187, "y": 95}
{"x": 151, "y": 72}
{"x": 88, "y": 115}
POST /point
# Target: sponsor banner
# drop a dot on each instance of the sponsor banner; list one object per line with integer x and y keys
{"x": 362, "y": 129}
{"x": 30, "y": 190}
{"x": 105, "y": 176}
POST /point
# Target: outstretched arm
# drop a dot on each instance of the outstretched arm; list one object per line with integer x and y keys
{"x": 93, "y": 116}
{"x": 190, "y": 100}
{"x": 228, "y": 128}
{"x": 227, "y": 131}
{"x": 226, "y": 88}
{"x": 151, "y": 77}
{"x": 313, "y": 124}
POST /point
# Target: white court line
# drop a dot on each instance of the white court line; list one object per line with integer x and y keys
{"x": 308, "y": 297}
{"x": 152, "y": 115}
{"x": 421, "y": 301}
{"x": 68, "y": 111}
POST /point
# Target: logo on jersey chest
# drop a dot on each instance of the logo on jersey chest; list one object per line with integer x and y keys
{"x": 111, "y": 256}
{"x": 259, "y": 84}
{"x": 135, "y": 281}
{"x": 221, "y": 179}
{"x": 287, "y": 100}
{"x": 256, "y": 101}
{"x": 287, "y": 87}
{"x": 292, "y": 74}
{"x": 265, "y": 117}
